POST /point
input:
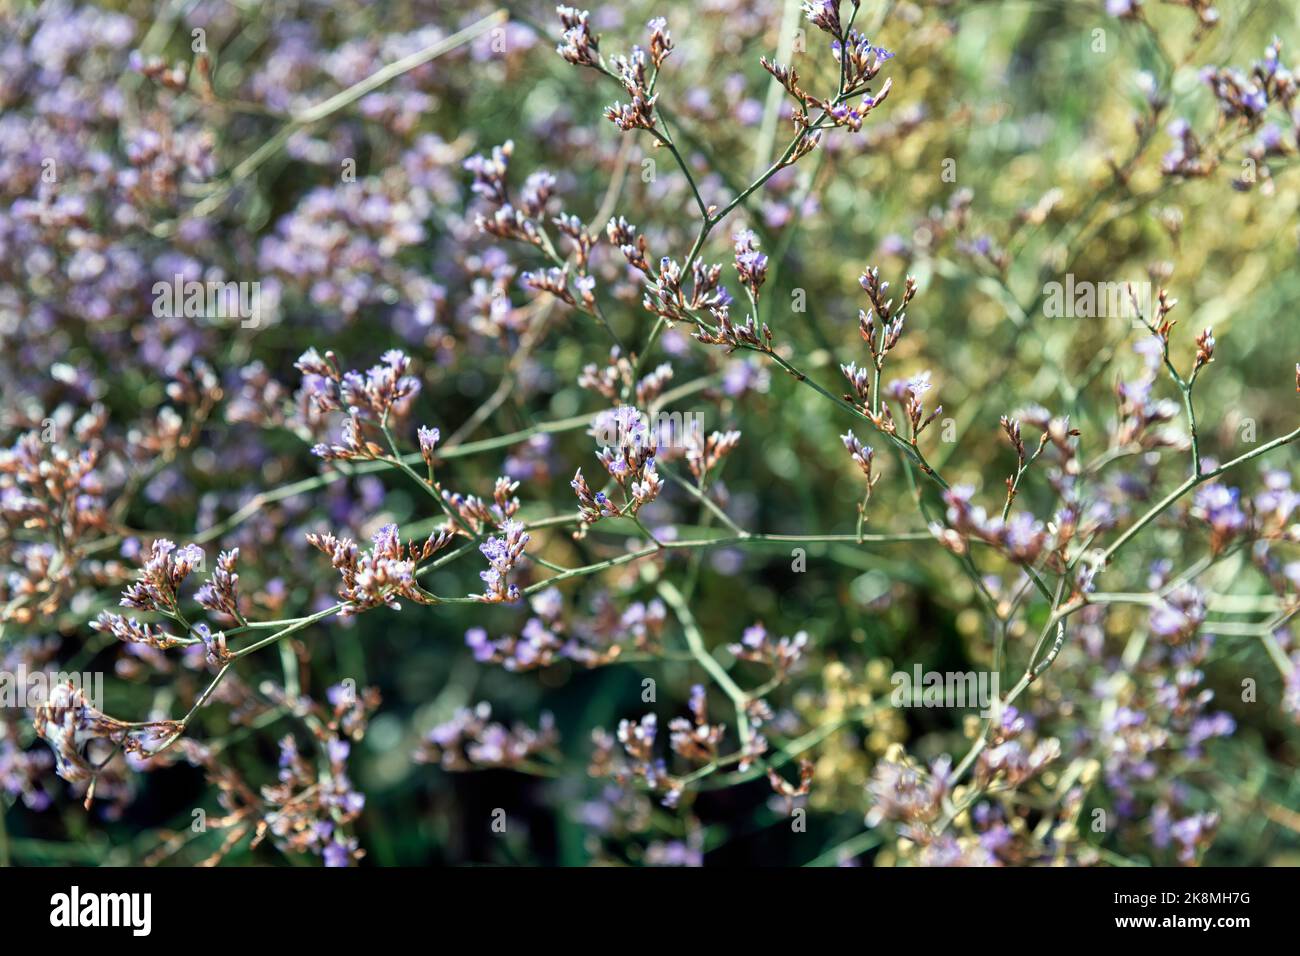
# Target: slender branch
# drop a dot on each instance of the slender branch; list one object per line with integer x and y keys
{"x": 695, "y": 641}
{"x": 1191, "y": 482}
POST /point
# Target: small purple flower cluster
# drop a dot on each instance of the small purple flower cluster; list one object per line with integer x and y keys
{"x": 471, "y": 740}
{"x": 379, "y": 576}
{"x": 782, "y": 655}
{"x": 83, "y": 738}
{"x": 550, "y": 635}
{"x": 630, "y": 462}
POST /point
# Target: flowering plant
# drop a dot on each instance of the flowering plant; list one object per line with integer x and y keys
{"x": 371, "y": 384}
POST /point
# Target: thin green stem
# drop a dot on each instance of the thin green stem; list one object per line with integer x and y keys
{"x": 695, "y": 641}
{"x": 1193, "y": 481}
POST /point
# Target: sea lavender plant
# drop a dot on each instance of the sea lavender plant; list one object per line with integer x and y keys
{"x": 551, "y": 232}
